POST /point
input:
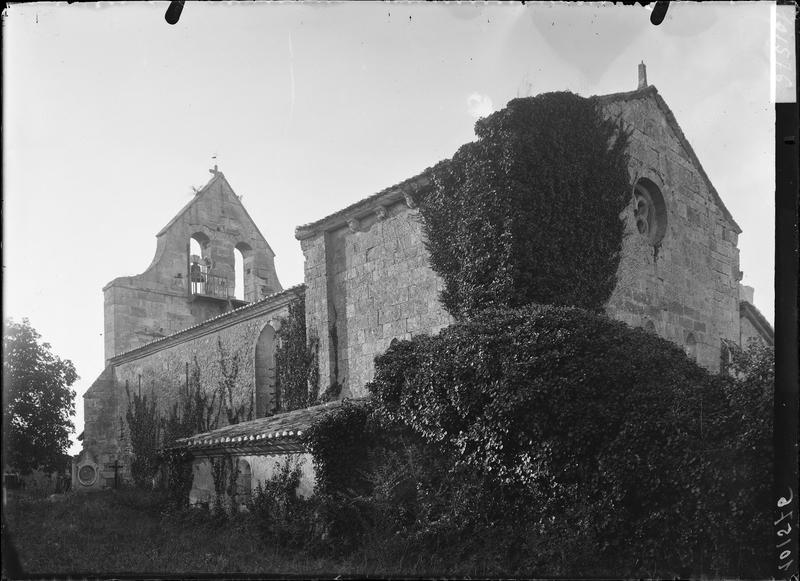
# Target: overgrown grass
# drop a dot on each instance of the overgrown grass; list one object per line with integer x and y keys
{"x": 132, "y": 532}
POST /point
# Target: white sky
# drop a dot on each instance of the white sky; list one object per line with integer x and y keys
{"x": 111, "y": 115}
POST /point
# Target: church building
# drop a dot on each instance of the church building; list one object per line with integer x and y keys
{"x": 366, "y": 282}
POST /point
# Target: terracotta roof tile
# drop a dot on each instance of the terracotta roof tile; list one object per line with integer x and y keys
{"x": 263, "y": 433}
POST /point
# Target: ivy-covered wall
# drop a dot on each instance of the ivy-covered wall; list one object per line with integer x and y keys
{"x": 368, "y": 279}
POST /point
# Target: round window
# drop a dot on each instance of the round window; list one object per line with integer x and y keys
{"x": 87, "y": 474}
{"x": 649, "y": 211}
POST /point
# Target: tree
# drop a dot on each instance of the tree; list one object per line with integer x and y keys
{"x": 37, "y": 400}
{"x": 530, "y": 212}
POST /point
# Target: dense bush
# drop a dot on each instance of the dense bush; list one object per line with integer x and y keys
{"x": 279, "y": 512}
{"x": 748, "y": 459}
{"x": 339, "y": 442}
{"x": 614, "y": 436}
{"x": 530, "y": 212}
{"x": 144, "y": 424}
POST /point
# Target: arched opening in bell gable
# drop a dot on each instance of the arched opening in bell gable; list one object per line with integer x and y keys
{"x": 243, "y": 272}
{"x": 265, "y": 372}
{"x": 199, "y": 263}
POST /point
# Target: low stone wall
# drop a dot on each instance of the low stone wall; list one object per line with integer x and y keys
{"x": 262, "y": 468}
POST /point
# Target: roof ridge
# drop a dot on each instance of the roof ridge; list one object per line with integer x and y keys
{"x": 189, "y": 204}
{"x": 750, "y": 308}
{"x": 648, "y": 91}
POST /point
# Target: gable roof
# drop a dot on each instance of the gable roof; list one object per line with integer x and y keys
{"x": 218, "y": 175}
{"x": 759, "y": 321}
{"x": 420, "y": 183}
{"x": 417, "y": 184}
{"x": 651, "y": 91}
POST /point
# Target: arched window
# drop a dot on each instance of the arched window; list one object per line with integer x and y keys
{"x": 195, "y": 249}
{"x": 650, "y": 211}
{"x": 265, "y": 371}
{"x": 199, "y": 263}
{"x": 244, "y": 482}
{"x": 238, "y": 274}
{"x": 244, "y": 289}
{"x": 691, "y": 347}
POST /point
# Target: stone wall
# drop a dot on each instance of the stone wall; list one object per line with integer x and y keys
{"x": 101, "y": 431}
{"x": 160, "y": 301}
{"x": 368, "y": 279}
{"x": 220, "y": 352}
{"x": 262, "y": 468}
{"x": 750, "y": 334}
{"x": 367, "y": 283}
{"x": 688, "y": 286}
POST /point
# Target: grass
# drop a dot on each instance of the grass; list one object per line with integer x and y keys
{"x": 125, "y": 532}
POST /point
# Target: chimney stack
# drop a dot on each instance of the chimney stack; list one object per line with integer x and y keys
{"x": 642, "y": 76}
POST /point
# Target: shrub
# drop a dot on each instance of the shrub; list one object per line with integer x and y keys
{"x": 339, "y": 442}
{"x": 281, "y": 515}
{"x": 144, "y": 425}
{"x": 746, "y": 463}
{"x": 605, "y": 429}
{"x": 530, "y": 212}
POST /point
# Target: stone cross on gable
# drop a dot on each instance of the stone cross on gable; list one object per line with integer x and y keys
{"x": 214, "y": 171}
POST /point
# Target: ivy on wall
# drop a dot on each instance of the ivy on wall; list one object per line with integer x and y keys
{"x": 151, "y": 433}
{"x": 225, "y": 473}
{"x": 192, "y": 416}
{"x": 530, "y": 212}
{"x": 144, "y": 425}
{"x": 296, "y": 369}
{"x": 618, "y": 439}
{"x": 229, "y": 373}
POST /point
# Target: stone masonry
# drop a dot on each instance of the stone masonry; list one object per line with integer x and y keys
{"x": 160, "y": 301}
{"x": 169, "y": 322}
{"x": 368, "y": 280}
{"x": 687, "y": 287}
{"x": 163, "y": 369}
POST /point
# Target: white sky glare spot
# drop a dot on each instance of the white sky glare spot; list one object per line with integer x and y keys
{"x": 479, "y": 105}
{"x": 109, "y": 113}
